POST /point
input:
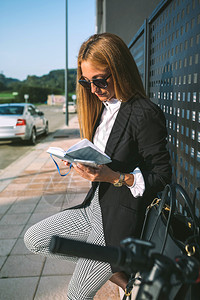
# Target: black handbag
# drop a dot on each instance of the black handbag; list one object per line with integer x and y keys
{"x": 170, "y": 223}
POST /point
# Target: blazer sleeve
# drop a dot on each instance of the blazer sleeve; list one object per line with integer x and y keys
{"x": 152, "y": 142}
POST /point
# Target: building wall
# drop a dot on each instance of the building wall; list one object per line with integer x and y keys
{"x": 123, "y": 17}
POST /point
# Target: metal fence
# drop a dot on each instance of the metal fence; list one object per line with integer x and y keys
{"x": 167, "y": 52}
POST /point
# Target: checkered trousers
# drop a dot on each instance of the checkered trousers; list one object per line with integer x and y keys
{"x": 83, "y": 224}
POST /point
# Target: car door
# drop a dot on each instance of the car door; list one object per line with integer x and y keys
{"x": 42, "y": 119}
{"x": 37, "y": 121}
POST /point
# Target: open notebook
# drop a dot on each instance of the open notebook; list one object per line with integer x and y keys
{"x": 84, "y": 152}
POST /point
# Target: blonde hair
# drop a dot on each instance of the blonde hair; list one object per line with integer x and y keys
{"x": 107, "y": 51}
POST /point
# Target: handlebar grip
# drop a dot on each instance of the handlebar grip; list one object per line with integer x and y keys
{"x": 113, "y": 255}
{"x": 186, "y": 269}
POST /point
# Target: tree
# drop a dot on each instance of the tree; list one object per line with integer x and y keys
{"x": 36, "y": 94}
{"x": 3, "y": 87}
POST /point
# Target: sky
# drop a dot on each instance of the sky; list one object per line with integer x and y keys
{"x": 32, "y": 35}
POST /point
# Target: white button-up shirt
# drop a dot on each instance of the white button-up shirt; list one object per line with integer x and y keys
{"x": 101, "y": 137}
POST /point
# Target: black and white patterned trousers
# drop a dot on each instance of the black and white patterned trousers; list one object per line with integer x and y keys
{"x": 83, "y": 224}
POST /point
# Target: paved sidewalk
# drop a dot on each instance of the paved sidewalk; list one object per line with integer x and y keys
{"x": 30, "y": 190}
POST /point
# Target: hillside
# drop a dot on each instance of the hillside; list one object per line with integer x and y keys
{"x": 53, "y": 80}
{"x": 6, "y": 82}
{"x": 37, "y": 87}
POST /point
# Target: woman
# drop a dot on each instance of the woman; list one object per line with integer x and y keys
{"x": 116, "y": 115}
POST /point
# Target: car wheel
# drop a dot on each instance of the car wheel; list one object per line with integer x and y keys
{"x": 33, "y": 137}
{"x": 46, "y": 131}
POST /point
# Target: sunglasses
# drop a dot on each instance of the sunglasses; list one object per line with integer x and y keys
{"x": 100, "y": 83}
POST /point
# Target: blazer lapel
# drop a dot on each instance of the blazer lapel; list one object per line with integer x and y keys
{"x": 118, "y": 127}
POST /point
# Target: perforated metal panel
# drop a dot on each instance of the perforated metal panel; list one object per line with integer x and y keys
{"x": 173, "y": 77}
{"x": 137, "y": 48}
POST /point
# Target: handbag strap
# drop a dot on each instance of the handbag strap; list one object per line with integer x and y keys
{"x": 188, "y": 204}
{"x": 167, "y": 198}
{"x": 129, "y": 286}
{"x": 192, "y": 242}
{"x": 168, "y": 193}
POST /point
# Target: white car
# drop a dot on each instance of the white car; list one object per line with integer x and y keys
{"x": 21, "y": 121}
{"x": 72, "y": 108}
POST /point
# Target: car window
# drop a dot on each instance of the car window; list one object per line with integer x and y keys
{"x": 11, "y": 110}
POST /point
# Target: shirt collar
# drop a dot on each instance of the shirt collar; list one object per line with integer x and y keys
{"x": 112, "y": 104}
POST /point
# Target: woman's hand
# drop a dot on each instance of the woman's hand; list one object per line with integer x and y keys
{"x": 99, "y": 173}
{"x": 66, "y": 163}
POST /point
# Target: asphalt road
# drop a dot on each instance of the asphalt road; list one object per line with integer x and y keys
{"x": 10, "y": 152}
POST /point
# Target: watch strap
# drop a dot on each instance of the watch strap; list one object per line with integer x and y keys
{"x": 120, "y": 181}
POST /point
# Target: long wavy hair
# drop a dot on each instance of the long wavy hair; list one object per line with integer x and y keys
{"x": 107, "y": 51}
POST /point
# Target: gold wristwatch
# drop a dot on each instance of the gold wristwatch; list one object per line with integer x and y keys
{"x": 120, "y": 181}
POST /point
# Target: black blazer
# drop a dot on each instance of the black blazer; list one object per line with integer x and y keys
{"x": 137, "y": 139}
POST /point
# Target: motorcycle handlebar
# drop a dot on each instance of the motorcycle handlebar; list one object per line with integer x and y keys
{"x": 133, "y": 257}
{"x": 112, "y": 255}
{"x": 116, "y": 256}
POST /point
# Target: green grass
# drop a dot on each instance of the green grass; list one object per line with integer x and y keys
{"x": 6, "y": 95}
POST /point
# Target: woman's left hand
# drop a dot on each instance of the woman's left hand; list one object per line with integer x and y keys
{"x": 99, "y": 173}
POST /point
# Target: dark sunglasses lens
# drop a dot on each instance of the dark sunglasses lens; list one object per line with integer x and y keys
{"x": 101, "y": 83}
{"x": 84, "y": 83}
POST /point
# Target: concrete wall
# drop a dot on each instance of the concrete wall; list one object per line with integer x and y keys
{"x": 123, "y": 17}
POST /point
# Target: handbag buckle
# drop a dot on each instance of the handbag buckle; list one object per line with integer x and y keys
{"x": 127, "y": 293}
{"x": 190, "y": 250}
{"x": 156, "y": 202}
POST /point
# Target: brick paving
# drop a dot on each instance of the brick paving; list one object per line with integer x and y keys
{"x": 30, "y": 190}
